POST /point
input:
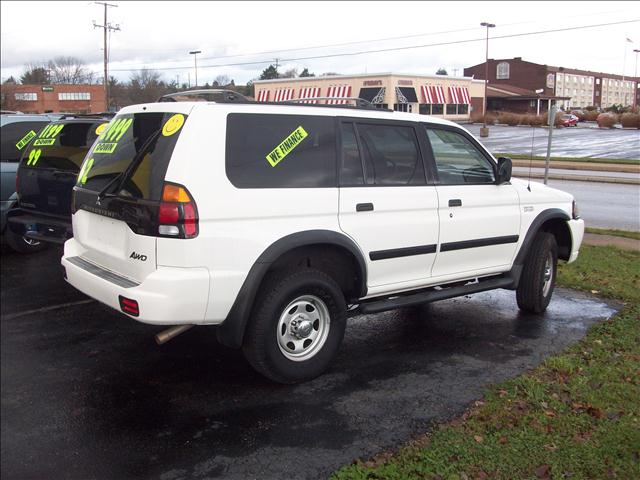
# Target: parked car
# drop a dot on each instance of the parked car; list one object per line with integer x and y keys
{"x": 47, "y": 174}
{"x": 272, "y": 221}
{"x": 17, "y": 132}
{"x": 569, "y": 120}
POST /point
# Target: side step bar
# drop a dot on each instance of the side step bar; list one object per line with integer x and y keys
{"x": 376, "y": 306}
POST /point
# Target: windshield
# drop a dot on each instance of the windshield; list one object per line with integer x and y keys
{"x": 147, "y": 138}
{"x": 62, "y": 146}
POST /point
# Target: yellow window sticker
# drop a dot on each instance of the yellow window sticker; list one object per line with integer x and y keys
{"x": 287, "y": 145}
{"x": 48, "y": 135}
{"x": 34, "y": 156}
{"x": 172, "y": 125}
{"x": 101, "y": 128}
{"x": 84, "y": 171}
{"x": 26, "y": 139}
{"x": 111, "y": 133}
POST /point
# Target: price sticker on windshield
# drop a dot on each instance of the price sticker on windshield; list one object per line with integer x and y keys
{"x": 172, "y": 125}
{"x": 25, "y": 140}
{"x": 288, "y": 144}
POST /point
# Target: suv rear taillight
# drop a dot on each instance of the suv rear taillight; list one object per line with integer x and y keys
{"x": 177, "y": 214}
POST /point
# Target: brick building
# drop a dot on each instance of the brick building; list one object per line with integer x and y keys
{"x": 438, "y": 95}
{"x": 53, "y": 98}
{"x": 569, "y": 87}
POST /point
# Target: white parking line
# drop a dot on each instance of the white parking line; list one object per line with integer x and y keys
{"x": 46, "y": 309}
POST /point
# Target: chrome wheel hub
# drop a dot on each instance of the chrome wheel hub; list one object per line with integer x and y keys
{"x": 303, "y": 328}
{"x": 548, "y": 275}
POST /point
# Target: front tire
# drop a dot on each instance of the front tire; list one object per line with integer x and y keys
{"x": 297, "y": 325}
{"x": 538, "y": 278}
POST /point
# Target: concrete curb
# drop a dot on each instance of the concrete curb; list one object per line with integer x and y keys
{"x": 580, "y": 178}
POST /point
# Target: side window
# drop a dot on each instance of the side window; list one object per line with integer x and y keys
{"x": 351, "y": 171}
{"x": 458, "y": 161}
{"x": 280, "y": 151}
{"x": 13, "y": 133}
{"x": 391, "y": 154}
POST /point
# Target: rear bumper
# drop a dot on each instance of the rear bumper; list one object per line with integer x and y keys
{"x": 168, "y": 296}
{"x": 38, "y": 226}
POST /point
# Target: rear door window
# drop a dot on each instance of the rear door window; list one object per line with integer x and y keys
{"x": 280, "y": 151}
{"x": 62, "y": 146}
{"x": 391, "y": 155}
{"x": 146, "y": 138}
{"x": 16, "y": 137}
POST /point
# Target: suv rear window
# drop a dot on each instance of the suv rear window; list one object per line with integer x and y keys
{"x": 147, "y": 138}
{"x": 67, "y": 149}
{"x": 15, "y": 138}
{"x": 280, "y": 151}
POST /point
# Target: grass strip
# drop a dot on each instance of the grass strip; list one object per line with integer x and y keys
{"x": 575, "y": 416}
{"x": 615, "y": 233}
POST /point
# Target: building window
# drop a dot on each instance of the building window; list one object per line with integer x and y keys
{"x": 550, "y": 80}
{"x": 597, "y": 81}
{"x": 452, "y": 109}
{"x": 463, "y": 109}
{"x": 26, "y": 97}
{"x": 74, "y": 96}
{"x": 425, "y": 109}
{"x": 401, "y": 107}
{"x": 502, "y": 71}
{"x": 597, "y": 94}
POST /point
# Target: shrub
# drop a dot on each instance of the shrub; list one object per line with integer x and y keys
{"x": 509, "y": 118}
{"x": 590, "y": 115}
{"x": 490, "y": 119}
{"x": 476, "y": 117}
{"x": 533, "y": 120}
{"x": 606, "y": 120}
{"x": 580, "y": 114}
{"x": 591, "y": 108}
{"x": 630, "y": 120}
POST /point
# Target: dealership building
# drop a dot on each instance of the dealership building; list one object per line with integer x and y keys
{"x": 53, "y": 98}
{"x": 516, "y": 84}
{"x": 443, "y": 96}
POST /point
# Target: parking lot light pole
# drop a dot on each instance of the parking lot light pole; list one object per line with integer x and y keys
{"x": 484, "y": 131}
{"x": 195, "y": 62}
{"x": 635, "y": 74}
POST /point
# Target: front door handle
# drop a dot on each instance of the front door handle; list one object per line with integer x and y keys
{"x": 364, "y": 207}
{"x": 455, "y": 202}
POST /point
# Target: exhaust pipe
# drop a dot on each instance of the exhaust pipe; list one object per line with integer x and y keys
{"x": 166, "y": 335}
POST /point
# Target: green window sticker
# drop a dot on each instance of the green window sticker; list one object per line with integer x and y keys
{"x": 84, "y": 171}
{"x": 112, "y": 134}
{"x": 34, "y": 156}
{"x": 26, "y": 139}
{"x": 288, "y": 144}
{"x": 48, "y": 135}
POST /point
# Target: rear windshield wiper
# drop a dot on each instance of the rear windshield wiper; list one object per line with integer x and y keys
{"x": 122, "y": 177}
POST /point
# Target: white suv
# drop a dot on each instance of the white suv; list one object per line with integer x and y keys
{"x": 272, "y": 221}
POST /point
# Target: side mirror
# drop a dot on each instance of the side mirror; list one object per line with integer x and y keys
{"x": 504, "y": 170}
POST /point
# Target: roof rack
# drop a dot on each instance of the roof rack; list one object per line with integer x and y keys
{"x": 208, "y": 95}
{"x": 67, "y": 116}
{"x": 358, "y": 102}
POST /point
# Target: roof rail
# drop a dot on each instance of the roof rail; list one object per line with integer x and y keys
{"x": 208, "y": 95}
{"x": 358, "y": 102}
{"x": 67, "y": 116}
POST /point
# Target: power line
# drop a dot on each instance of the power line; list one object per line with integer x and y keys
{"x": 393, "y": 49}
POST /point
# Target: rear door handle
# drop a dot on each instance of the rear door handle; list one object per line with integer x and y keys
{"x": 364, "y": 207}
{"x": 455, "y": 202}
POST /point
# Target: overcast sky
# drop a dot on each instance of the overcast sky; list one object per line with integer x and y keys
{"x": 159, "y": 35}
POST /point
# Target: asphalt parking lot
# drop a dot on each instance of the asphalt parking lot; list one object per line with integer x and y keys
{"x": 582, "y": 141}
{"x": 86, "y": 393}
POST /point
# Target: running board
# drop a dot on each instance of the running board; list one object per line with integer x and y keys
{"x": 376, "y": 306}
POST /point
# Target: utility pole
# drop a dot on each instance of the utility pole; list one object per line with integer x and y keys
{"x": 484, "y": 131}
{"x": 106, "y": 27}
{"x": 195, "y": 61}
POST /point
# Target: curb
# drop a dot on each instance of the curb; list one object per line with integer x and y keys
{"x": 581, "y": 178}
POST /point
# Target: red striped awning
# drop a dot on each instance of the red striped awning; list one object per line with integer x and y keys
{"x": 283, "y": 94}
{"x": 263, "y": 96}
{"x": 309, "y": 92}
{"x": 433, "y": 94}
{"x": 338, "y": 91}
{"x": 459, "y": 95}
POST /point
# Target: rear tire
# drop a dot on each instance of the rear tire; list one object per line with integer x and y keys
{"x": 22, "y": 244}
{"x": 538, "y": 278}
{"x": 297, "y": 325}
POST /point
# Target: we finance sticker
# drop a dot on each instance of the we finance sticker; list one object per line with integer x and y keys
{"x": 172, "y": 125}
{"x": 111, "y": 134}
{"x": 287, "y": 146}
{"x": 25, "y": 140}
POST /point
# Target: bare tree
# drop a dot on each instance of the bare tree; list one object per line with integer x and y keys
{"x": 221, "y": 81}
{"x": 69, "y": 70}
{"x": 291, "y": 73}
{"x": 146, "y": 86}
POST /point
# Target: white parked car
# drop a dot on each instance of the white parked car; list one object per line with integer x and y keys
{"x": 271, "y": 221}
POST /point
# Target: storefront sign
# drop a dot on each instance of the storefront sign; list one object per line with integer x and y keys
{"x": 47, "y": 89}
{"x": 405, "y": 82}
{"x": 369, "y": 83}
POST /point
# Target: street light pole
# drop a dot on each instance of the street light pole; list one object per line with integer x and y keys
{"x": 484, "y": 132}
{"x": 195, "y": 61}
{"x": 635, "y": 74}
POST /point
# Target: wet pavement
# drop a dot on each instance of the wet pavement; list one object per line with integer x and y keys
{"x": 566, "y": 142}
{"x": 86, "y": 393}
